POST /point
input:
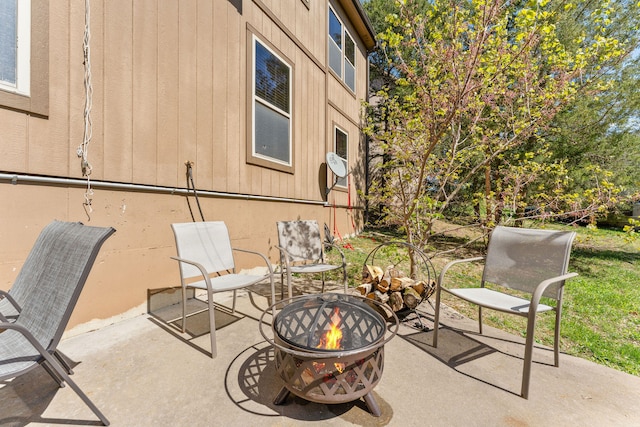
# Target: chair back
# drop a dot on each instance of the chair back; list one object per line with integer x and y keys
{"x": 206, "y": 243}
{"x": 521, "y": 258}
{"x": 53, "y": 276}
{"x": 301, "y": 240}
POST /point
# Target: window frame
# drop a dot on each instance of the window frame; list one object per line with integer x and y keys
{"x": 341, "y": 183}
{"x": 252, "y": 156}
{"x": 344, "y": 34}
{"x": 36, "y": 102}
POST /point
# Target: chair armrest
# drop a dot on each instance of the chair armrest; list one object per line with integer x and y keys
{"x": 261, "y": 255}
{"x": 537, "y": 294}
{"x": 8, "y": 297}
{"x": 452, "y": 263}
{"x": 344, "y": 260}
{"x": 203, "y": 271}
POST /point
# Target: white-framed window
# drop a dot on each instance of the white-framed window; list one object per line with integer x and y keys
{"x": 271, "y": 106}
{"x": 341, "y": 148}
{"x": 15, "y": 46}
{"x": 342, "y": 51}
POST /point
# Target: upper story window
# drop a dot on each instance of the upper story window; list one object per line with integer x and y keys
{"x": 272, "y": 120}
{"x": 24, "y": 56}
{"x": 15, "y": 46}
{"x": 341, "y": 148}
{"x": 342, "y": 51}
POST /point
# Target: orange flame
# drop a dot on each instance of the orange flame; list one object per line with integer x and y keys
{"x": 332, "y": 339}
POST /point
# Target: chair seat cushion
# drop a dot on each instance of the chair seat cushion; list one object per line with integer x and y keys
{"x": 313, "y": 268}
{"x": 496, "y": 300}
{"x": 229, "y": 282}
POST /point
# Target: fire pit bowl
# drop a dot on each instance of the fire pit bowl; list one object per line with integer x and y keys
{"x": 329, "y": 348}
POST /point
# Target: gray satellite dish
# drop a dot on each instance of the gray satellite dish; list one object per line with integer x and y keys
{"x": 337, "y": 166}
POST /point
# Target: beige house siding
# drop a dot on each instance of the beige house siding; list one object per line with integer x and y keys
{"x": 170, "y": 84}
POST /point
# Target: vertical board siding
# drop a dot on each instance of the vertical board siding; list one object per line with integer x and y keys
{"x": 204, "y": 101}
{"x": 145, "y": 96}
{"x": 118, "y": 81}
{"x": 167, "y": 92}
{"x": 170, "y": 84}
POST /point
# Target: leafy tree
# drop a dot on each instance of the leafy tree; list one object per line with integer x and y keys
{"x": 476, "y": 86}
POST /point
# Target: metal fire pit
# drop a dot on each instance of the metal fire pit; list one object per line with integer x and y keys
{"x": 329, "y": 375}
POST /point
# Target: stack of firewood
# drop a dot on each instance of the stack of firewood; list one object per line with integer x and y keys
{"x": 392, "y": 287}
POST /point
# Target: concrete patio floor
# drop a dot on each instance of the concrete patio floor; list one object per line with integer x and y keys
{"x": 143, "y": 372}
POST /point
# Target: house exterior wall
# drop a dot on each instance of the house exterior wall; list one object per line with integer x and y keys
{"x": 170, "y": 84}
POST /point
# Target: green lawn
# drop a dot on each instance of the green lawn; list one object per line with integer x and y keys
{"x": 601, "y": 310}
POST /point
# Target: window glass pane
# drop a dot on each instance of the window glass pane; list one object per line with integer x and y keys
{"x": 272, "y": 78}
{"x": 271, "y": 133}
{"x": 335, "y": 58}
{"x": 350, "y": 76}
{"x": 8, "y": 37}
{"x": 335, "y": 29}
{"x": 350, "y": 49}
{"x": 341, "y": 150}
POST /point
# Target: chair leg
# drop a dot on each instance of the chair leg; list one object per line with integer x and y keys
{"x": 60, "y": 372}
{"x": 344, "y": 278}
{"x": 212, "y": 324}
{"x": 528, "y": 356}
{"x": 233, "y": 306}
{"x": 323, "y": 282}
{"x": 480, "y": 319}
{"x": 184, "y": 310}
{"x": 63, "y": 362}
{"x": 556, "y": 339}
{"x": 436, "y": 319}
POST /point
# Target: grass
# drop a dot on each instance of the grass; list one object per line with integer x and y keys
{"x": 601, "y": 309}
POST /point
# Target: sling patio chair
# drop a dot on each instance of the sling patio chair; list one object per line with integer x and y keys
{"x": 52, "y": 277}
{"x": 302, "y": 251}
{"x": 531, "y": 261}
{"x": 205, "y": 253}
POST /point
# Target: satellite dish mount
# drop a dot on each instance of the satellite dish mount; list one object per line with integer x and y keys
{"x": 336, "y": 165}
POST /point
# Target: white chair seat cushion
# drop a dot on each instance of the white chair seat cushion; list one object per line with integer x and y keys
{"x": 313, "y": 268}
{"x": 228, "y": 282}
{"x": 496, "y": 300}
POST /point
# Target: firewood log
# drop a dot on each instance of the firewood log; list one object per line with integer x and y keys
{"x": 400, "y": 283}
{"x": 365, "y": 288}
{"x": 395, "y": 301}
{"x": 371, "y": 274}
{"x": 420, "y": 287}
{"x": 411, "y": 298}
{"x": 381, "y": 296}
{"x": 383, "y": 286}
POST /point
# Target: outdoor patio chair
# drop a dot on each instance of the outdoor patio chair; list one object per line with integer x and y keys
{"x": 531, "y": 261}
{"x": 302, "y": 251}
{"x": 205, "y": 253}
{"x": 53, "y": 276}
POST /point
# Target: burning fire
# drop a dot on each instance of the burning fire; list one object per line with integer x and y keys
{"x": 332, "y": 339}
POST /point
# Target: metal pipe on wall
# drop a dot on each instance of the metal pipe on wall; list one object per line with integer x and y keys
{"x": 15, "y": 179}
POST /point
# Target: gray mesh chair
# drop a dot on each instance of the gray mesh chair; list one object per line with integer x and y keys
{"x": 47, "y": 289}
{"x": 531, "y": 261}
{"x": 205, "y": 253}
{"x": 302, "y": 251}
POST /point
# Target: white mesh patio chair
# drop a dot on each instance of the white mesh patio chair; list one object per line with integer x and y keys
{"x": 302, "y": 251}
{"x": 531, "y": 261}
{"x": 53, "y": 276}
{"x": 205, "y": 253}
